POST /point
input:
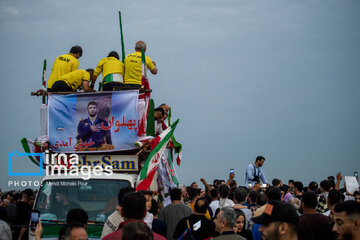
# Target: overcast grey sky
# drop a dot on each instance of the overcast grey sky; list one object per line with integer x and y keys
{"x": 274, "y": 78}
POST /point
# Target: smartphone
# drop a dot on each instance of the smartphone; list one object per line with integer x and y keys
{"x": 231, "y": 171}
{"x": 34, "y": 219}
{"x": 356, "y": 174}
{"x": 263, "y": 185}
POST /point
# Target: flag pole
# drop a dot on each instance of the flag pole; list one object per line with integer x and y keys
{"x": 43, "y": 81}
{"x": 122, "y": 38}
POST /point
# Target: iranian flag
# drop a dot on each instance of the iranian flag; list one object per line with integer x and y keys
{"x": 171, "y": 170}
{"x": 175, "y": 144}
{"x": 146, "y": 96}
{"x": 32, "y": 147}
{"x": 158, "y": 146}
{"x": 179, "y": 156}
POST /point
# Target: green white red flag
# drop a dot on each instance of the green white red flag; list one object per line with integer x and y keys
{"x": 146, "y": 96}
{"x": 171, "y": 170}
{"x": 175, "y": 144}
{"x": 158, "y": 146}
{"x": 30, "y": 147}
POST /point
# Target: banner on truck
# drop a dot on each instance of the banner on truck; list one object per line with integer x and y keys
{"x": 94, "y": 122}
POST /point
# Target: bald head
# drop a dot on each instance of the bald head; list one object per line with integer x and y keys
{"x": 140, "y": 45}
{"x": 201, "y": 206}
{"x": 165, "y": 107}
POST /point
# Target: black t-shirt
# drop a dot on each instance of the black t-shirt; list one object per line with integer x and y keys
{"x": 314, "y": 227}
{"x": 61, "y": 211}
{"x": 246, "y": 234}
{"x": 200, "y": 226}
{"x": 22, "y": 218}
{"x": 159, "y": 227}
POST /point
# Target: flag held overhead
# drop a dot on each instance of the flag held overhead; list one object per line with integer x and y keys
{"x": 158, "y": 146}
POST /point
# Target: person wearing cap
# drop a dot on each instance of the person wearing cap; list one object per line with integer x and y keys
{"x": 64, "y": 64}
{"x": 224, "y": 224}
{"x": 347, "y": 220}
{"x": 278, "y": 221}
{"x": 112, "y": 70}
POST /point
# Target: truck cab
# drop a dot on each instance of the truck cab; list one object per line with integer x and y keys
{"x": 97, "y": 195}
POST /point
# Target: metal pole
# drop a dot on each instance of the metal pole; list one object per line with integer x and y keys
{"x": 122, "y": 38}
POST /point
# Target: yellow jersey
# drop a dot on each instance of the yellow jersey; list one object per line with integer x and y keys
{"x": 75, "y": 79}
{"x": 207, "y": 214}
{"x": 109, "y": 65}
{"x": 63, "y": 64}
{"x": 133, "y": 68}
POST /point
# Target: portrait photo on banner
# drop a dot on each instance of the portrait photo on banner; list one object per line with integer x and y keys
{"x": 96, "y": 122}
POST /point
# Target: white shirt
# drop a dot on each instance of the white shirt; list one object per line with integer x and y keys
{"x": 112, "y": 223}
{"x": 225, "y": 202}
{"x": 214, "y": 205}
{"x": 149, "y": 219}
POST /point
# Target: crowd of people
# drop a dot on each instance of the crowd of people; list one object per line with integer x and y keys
{"x": 15, "y": 210}
{"x": 117, "y": 75}
{"x": 222, "y": 210}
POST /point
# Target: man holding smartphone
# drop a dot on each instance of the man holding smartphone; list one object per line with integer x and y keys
{"x": 254, "y": 174}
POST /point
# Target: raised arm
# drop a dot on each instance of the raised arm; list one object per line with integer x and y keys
{"x": 207, "y": 188}
{"x": 338, "y": 180}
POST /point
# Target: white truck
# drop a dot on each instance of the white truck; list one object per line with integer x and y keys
{"x": 97, "y": 195}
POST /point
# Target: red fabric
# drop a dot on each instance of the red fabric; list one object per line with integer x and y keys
{"x": 146, "y": 96}
{"x": 178, "y": 160}
{"x": 146, "y": 182}
{"x": 141, "y": 96}
{"x": 117, "y": 234}
{"x": 154, "y": 142}
{"x": 143, "y": 120}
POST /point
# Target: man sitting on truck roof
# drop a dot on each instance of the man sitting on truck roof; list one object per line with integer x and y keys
{"x": 64, "y": 64}
{"x": 133, "y": 67}
{"x": 112, "y": 70}
{"x": 73, "y": 80}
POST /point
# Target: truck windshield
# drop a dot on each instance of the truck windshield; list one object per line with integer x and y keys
{"x": 98, "y": 197}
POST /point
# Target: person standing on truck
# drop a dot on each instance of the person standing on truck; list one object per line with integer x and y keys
{"x": 73, "y": 80}
{"x": 112, "y": 70}
{"x": 90, "y": 130}
{"x": 133, "y": 67}
{"x": 64, "y": 64}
